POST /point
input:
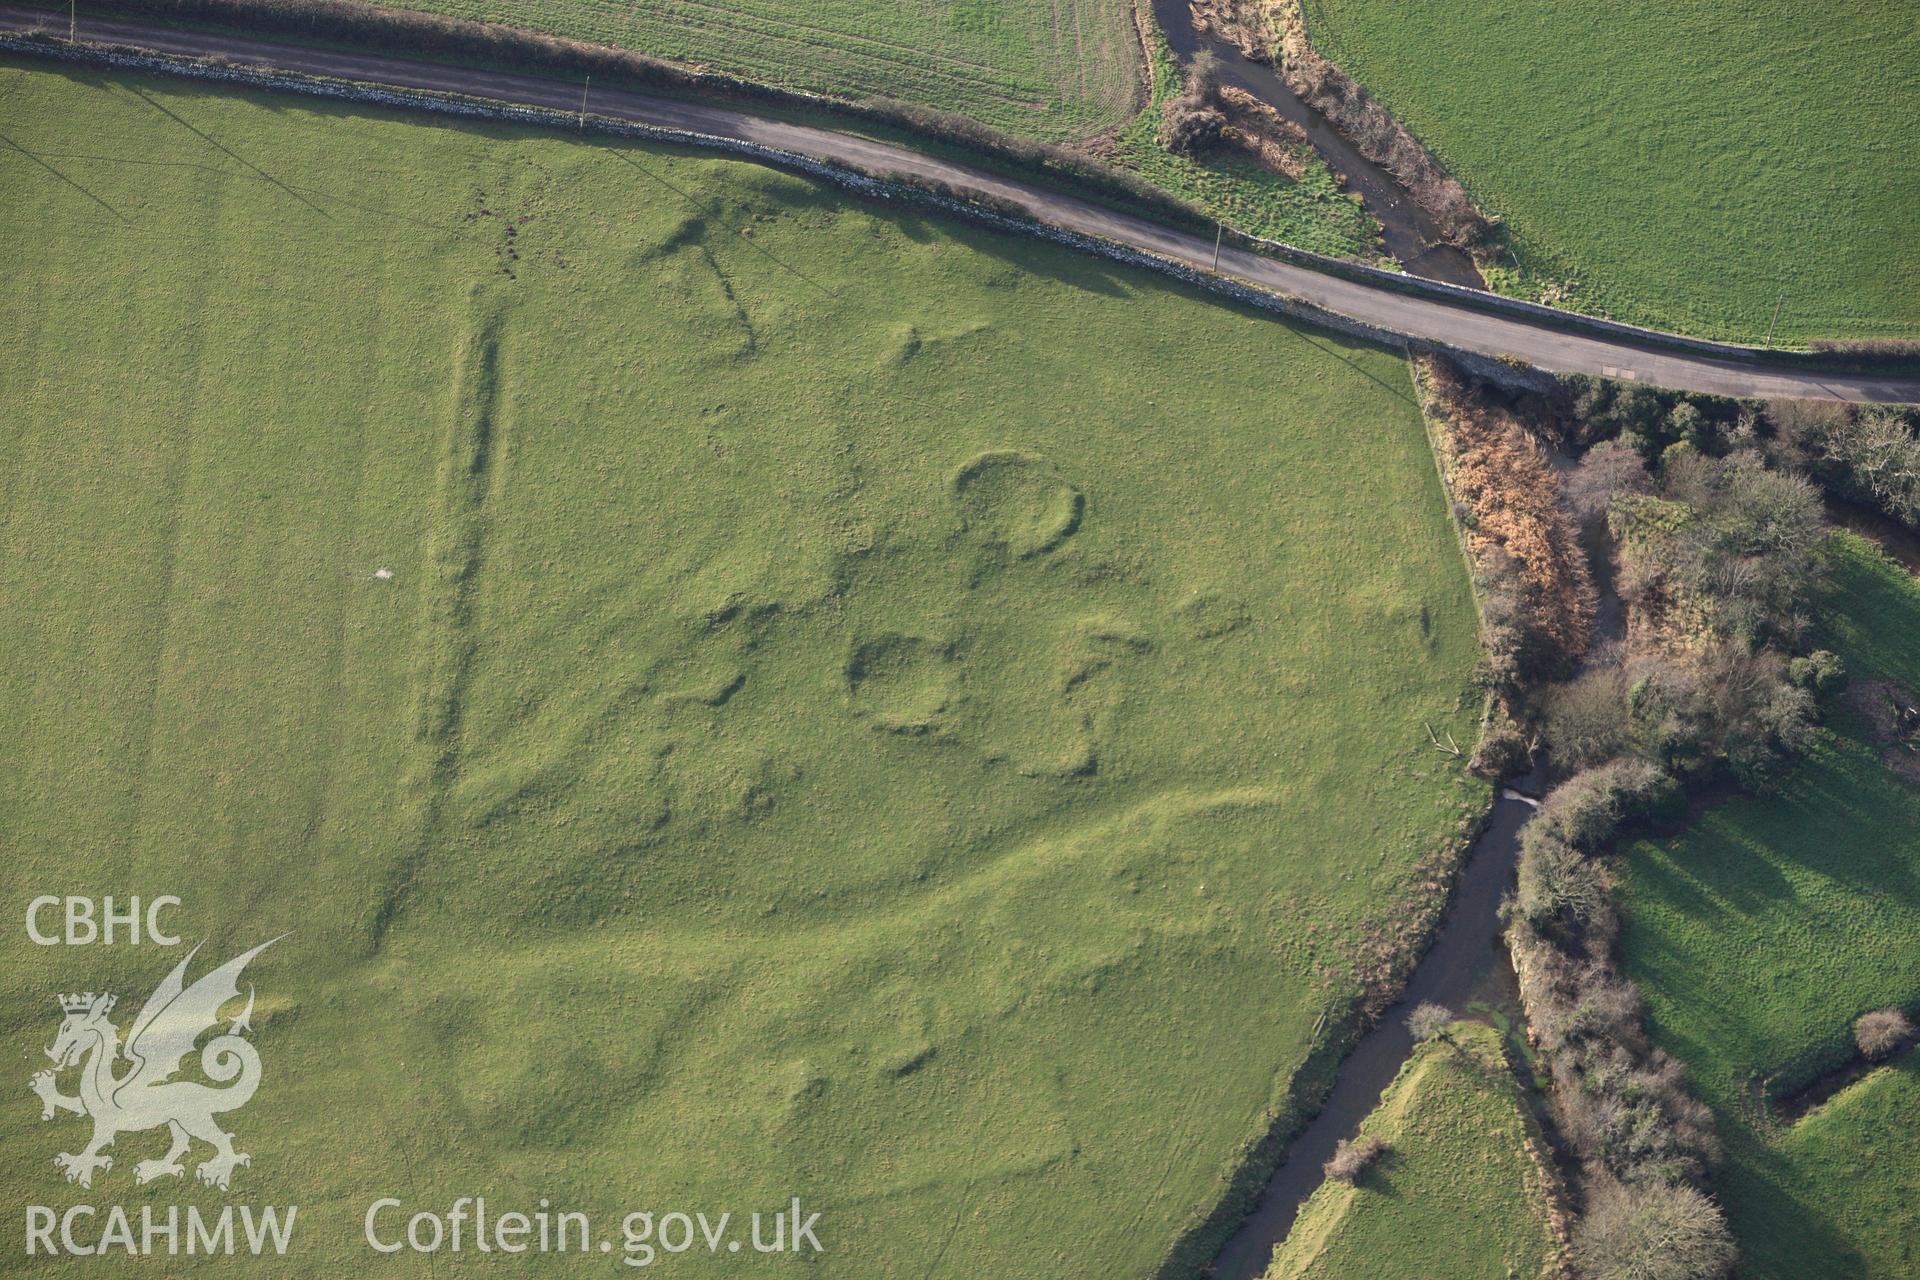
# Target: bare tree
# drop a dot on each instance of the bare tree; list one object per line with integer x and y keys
{"x": 1881, "y": 1032}
{"x": 1610, "y": 467}
{"x": 1652, "y": 1232}
{"x": 1350, "y": 1159}
{"x": 1428, "y": 1020}
{"x": 1556, "y": 880}
{"x": 1878, "y": 456}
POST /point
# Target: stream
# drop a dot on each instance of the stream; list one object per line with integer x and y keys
{"x": 1410, "y": 235}
{"x": 1466, "y": 969}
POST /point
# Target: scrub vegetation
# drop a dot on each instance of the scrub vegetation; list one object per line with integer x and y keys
{"x": 735, "y": 692}
{"x": 1232, "y": 158}
{"x": 1766, "y": 652}
{"x": 1716, "y": 675}
{"x": 1869, "y": 454}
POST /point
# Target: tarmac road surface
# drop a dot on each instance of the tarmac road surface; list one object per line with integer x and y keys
{"x": 1463, "y": 323}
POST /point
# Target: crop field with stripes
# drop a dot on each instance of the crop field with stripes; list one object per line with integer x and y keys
{"x": 1041, "y": 68}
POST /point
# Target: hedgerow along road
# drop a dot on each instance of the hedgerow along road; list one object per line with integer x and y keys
{"x": 1463, "y": 322}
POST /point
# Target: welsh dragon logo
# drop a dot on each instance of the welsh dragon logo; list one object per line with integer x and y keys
{"x": 145, "y": 1096}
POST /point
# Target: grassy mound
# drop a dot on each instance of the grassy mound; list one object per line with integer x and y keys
{"x": 1688, "y": 166}
{"x": 526, "y": 570}
{"x": 1762, "y": 932}
{"x": 1016, "y": 502}
{"x": 1456, "y": 1192}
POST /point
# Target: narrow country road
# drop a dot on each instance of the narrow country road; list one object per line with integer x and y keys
{"x": 1463, "y": 323}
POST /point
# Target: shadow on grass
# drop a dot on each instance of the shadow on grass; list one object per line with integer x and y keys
{"x": 225, "y": 150}
{"x": 1767, "y": 926}
{"x": 1776, "y": 1225}
{"x": 35, "y": 157}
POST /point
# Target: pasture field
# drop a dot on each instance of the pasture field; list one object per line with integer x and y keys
{"x": 1685, "y": 165}
{"x": 1454, "y": 1194}
{"x": 1758, "y": 936}
{"x": 1050, "y": 69}
{"x": 731, "y": 692}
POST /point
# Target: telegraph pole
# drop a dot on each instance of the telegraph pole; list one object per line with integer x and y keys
{"x": 73, "y": 21}
{"x": 1775, "y": 320}
{"x": 1219, "y": 229}
{"x": 583, "y": 101}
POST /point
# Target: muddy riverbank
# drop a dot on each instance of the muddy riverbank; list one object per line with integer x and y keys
{"x": 1409, "y": 232}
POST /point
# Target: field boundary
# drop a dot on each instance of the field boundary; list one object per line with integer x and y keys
{"x": 1555, "y": 338}
{"x": 1482, "y": 1054}
{"x": 450, "y": 41}
{"x": 1435, "y": 446}
{"x": 897, "y": 188}
{"x": 1244, "y": 1175}
{"x": 1573, "y": 321}
{"x": 1039, "y": 162}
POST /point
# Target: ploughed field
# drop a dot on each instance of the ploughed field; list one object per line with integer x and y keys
{"x": 1760, "y": 934}
{"x": 732, "y": 692}
{"x": 1688, "y": 166}
{"x": 1039, "y": 68}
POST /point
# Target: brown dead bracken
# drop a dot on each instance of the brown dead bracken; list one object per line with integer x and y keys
{"x": 1502, "y": 474}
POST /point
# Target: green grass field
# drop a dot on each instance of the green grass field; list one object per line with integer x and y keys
{"x": 1455, "y": 1193}
{"x": 1687, "y": 165}
{"x": 1763, "y": 931}
{"x": 1049, "y": 69}
{"x": 862, "y": 708}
